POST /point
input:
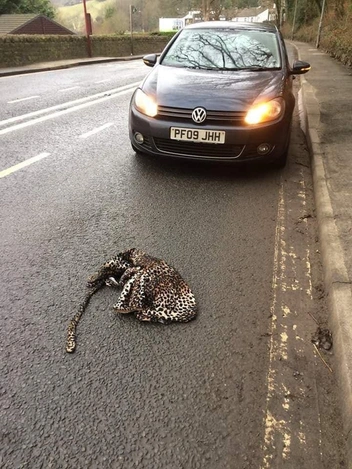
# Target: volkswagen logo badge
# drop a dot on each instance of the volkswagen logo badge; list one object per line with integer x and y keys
{"x": 199, "y": 115}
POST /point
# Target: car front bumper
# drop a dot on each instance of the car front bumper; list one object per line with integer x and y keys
{"x": 241, "y": 142}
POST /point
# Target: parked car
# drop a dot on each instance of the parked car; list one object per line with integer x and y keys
{"x": 219, "y": 91}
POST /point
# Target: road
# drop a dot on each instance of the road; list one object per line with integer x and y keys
{"x": 240, "y": 387}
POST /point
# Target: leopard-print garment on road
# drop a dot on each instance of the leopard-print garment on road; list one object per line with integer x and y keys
{"x": 151, "y": 289}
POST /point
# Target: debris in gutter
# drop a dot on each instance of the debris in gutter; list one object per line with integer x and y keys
{"x": 322, "y": 358}
{"x": 322, "y": 338}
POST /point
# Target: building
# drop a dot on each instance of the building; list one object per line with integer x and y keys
{"x": 174, "y": 24}
{"x": 256, "y": 15}
{"x": 30, "y": 23}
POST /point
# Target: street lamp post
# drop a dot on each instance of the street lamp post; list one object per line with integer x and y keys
{"x": 320, "y": 25}
{"x": 88, "y": 29}
{"x": 294, "y": 21}
{"x": 132, "y": 10}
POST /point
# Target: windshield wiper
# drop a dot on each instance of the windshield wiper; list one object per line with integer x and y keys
{"x": 217, "y": 69}
{"x": 255, "y": 68}
{"x": 200, "y": 67}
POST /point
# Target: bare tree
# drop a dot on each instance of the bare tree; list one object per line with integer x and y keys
{"x": 212, "y": 9}
{"x": 339, "y": 8}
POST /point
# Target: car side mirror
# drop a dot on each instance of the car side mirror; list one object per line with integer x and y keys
{"x": 299, "y": 67}
{"x": 150, "y": 60}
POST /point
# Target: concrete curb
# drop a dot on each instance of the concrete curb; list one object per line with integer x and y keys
{"x": 47, "y": 67}
{"x": 336, "y": 281}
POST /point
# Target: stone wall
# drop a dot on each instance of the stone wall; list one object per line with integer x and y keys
{"x": 23, "y": 49}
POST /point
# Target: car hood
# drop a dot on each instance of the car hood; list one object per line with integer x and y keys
{"x": 223, "y": 91}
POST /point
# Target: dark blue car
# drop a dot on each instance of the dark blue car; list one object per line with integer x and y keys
{"x": 219, "y": 91}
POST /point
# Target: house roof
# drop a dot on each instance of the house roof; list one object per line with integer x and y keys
{"x": 9, "y": 23}
{"x": 30, "y": 23}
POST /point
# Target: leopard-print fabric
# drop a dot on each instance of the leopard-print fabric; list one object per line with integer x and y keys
{"x": 151, "y": 289}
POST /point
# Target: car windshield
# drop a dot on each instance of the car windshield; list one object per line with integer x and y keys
{"x": 224, "y": 49}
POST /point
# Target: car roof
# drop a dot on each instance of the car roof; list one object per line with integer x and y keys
{"x": 233, "y": 25}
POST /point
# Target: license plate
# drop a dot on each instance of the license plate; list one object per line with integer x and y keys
{"x": 197, "y": 135}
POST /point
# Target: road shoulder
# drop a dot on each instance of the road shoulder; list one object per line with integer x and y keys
{"x": 337, "y": 282}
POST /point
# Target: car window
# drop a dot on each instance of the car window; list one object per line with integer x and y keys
{"x": 224, "y": 49}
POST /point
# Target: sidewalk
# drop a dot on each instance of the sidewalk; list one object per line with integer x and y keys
{"x": 59, "y": 64}
{"x": 325, "y": 102}
{"x": 325, "y": 105}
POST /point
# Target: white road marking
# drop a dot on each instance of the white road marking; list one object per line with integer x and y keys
{"x": 61, "y": 113}
{"x": 29, "y": 115}
{"x": 68, "y": 89}
{"x": 22, "y": 99}
{"x": 96, "y": 130}
{"x": 102, "y": 81}
{"x": 25, "y": 163}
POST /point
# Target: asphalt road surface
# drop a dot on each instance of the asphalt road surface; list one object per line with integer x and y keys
{"x": 240, "y": 387}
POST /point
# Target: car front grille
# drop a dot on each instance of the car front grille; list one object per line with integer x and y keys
{"x": 215, "y": 117}
{"x": 192, "y": 149}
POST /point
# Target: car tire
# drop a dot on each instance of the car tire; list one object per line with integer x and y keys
{"x": 280, "y": 161}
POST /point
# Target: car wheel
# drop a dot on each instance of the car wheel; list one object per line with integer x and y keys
{"x": 280, "y": 161}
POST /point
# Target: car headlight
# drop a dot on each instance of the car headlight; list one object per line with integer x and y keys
{"x": 265, "y": 112}
{"x": 145, "y": 103}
